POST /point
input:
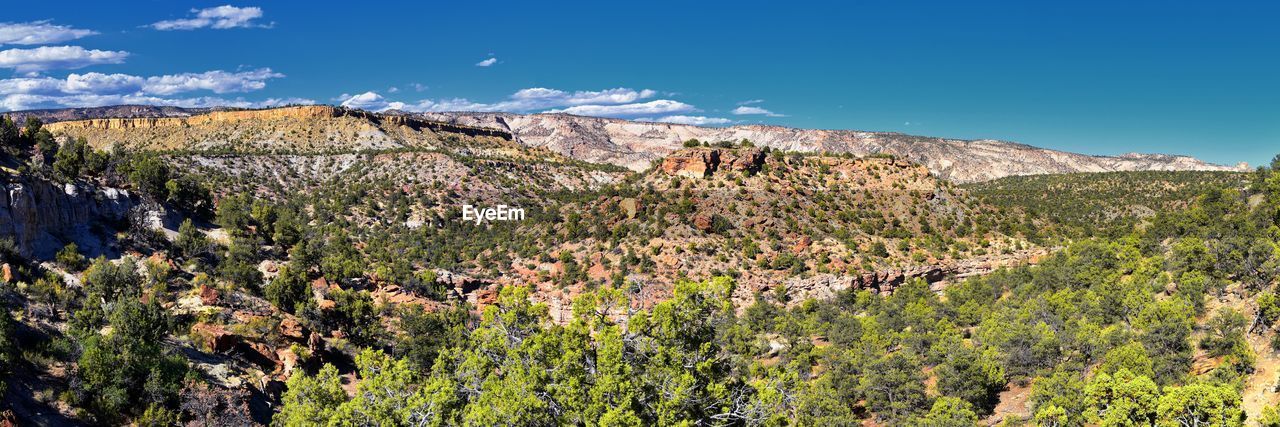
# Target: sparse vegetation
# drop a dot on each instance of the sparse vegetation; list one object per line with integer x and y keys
{"x": 654, "y": 298}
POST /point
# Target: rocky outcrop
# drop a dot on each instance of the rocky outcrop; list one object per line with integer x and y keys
{"x": 696, "y": 163}
{"x": 41, "y": 216}
{"x": 703, "y": 162}
{"x": 826, "y": 286}
{"x": 636, "y": 144}
{"x": 748, "y": 160}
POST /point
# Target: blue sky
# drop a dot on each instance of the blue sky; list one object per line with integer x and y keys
{"x": 1199, "y": 78}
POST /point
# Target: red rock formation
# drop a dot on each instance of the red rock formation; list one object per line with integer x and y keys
{"x": 290, "y": 328}
{"x": 694, "y": 163}
{"x": 702, "y": 223}
{"x": 213, "y": 337}
{"x": 208, "y": 295}
{"x": 801, "y": 245}
{"x": 742, "y": 160}
{"x": 703, "y": 162}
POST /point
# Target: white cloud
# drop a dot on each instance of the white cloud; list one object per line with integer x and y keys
{"x": 93, "y": 89}
{"x": 749, "y": 102}
{"x": 616, "y": 102}
{"x": 487, "y": 62}
{"x": 217, "y": 81}
{"x": 371, "y": 101}
{"x": 746, "y": 110}
{"x": 651, "y": 108}
{"x": 540, "y": 97}
{"x": 418, "y": 87}
{"x": 535, "y": 99}
{"x": 220, "y": 18}
{"x": 39, "y": 32}
{"x": 15, "y": 102}
{"x": 98, "y": 83}
{"x": 690, "y": 120}
{"x": 57, "y": 57}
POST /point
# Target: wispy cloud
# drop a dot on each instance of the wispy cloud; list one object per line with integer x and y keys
{"x": 745, "y": 110}
{"x": 39, "y": 32}
{"x": 57, "y": 57}
{"x": 656, "y": 107}
{"x": 217, "y": 81}
{"x": 219, "y": 18}
{"x": 17, "y": 102}
{"x": 93, "y": 89}
{"x": 689, "y": 120}
{"x": 537, "y": 99}
{"x": 487, "y": 62}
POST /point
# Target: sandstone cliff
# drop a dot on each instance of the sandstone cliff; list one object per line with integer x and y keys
{"x": 42, "y": 216}
{"x": 702, "y": 162}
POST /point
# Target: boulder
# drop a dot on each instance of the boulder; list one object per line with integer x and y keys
{"x": 486, "y": 297}
{"x": 213, "y": 337}
{"x": 288, "y": 361}
{"x": 291, "y": 328}
{"x": 629, "y": 206}
{"x": 801, "y": 245}
{"x": 209, "y": 295}
{"x": 315, "y": 342}
{"x": 702, "y": 223}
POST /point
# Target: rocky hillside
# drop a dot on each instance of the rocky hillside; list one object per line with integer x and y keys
{"x": 636, "y": 144}
{"x": 298, "y": 129}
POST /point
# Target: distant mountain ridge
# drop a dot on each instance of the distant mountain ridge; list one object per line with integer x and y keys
{"x": 114, "y": 111}
{"x": 636, "y": 145}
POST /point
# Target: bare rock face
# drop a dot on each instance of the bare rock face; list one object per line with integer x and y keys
{"x": 40, "y": 215}
{"x": 702, "y": 222}
{"x": 292, "y": 329}
{"x": 696, "y": 163}
{"x": 743, "y": 160}
{"x": 629, "y": 205}
{"x": 209, "y": 295}
{"x": 703, "y": 162}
